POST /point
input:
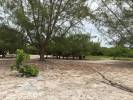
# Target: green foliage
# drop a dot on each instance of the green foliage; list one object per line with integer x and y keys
{"x": 29, "y": 70}
{"x": 22, "y": 67}
{"x": 21, "y": 58}
{"x": 40, "y": 20}
{"x": 74, "y": 45}
{"x": 95, "y": 49}
{"x": 130, "y": 53}
{"x": 10, "y": 39}
{"x": 115, "y": 24}
{"x": 118, "y": 52}
{"x": 13, "y": 67}
{"x": 31, "y": 50}
{"x": 79, "y": 44}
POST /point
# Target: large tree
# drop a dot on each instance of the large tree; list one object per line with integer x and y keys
{"x": 71, "y": 45}
{"x": 115, "y": 19}
{"x": 10, "y": 40}
{"x": 40, "y": 20}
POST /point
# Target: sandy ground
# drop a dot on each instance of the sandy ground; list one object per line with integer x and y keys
{"x": 67, "y": 80}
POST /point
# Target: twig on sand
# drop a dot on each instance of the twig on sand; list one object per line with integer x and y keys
{"x": 112, "y": 83}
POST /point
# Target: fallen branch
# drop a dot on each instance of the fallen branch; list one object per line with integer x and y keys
{"x": 112, "y": 83}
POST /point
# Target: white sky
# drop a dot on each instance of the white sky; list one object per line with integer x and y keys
{"x": 90, "y": 28}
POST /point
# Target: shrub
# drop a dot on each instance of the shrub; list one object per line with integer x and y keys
{"x": 118, "y": 52}
{"x": 29, "y": 70}
{"x": 130, "y": 53}
{"x": 95, "y": 49}
{"x": 13, "y": 67}
{"x": 21, "y": 58}
{"x": 31, "y": 50}
{"x": 22, "y": 67}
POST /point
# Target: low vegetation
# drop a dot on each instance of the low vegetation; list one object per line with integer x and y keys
{"x": 29, "y": 70}
{"x": 79, "y": 46}
{"x": 21, "y": 65}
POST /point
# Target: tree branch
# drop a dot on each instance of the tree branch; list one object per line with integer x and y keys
{"x": 112, "y": 83}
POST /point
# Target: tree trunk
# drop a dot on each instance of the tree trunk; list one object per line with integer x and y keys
{"x": 41, "y": 57}
{"x": 3, "y": 54}
{"x": 73, "y": 57}
{"x": 46, "y": 56}
{"x": 41, "y": 53}
{"x": 43, "y": 48}
{"x": 80, "y": 57}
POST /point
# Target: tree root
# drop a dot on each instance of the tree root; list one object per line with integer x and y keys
{"x": 112, "y": 83}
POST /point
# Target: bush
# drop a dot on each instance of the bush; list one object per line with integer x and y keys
{"x": 22, "y": 67}
{"x": 13, "y": 67}
{"x": 29, "y": 70}
{"x": 21, "y": 58}
{"x": 130, "y": 53}
{"x": 31, "y": 50}
{"x": 118, "y": 52}
{"x": 95, "y": 49}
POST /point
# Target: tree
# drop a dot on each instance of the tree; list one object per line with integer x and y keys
{"x": 70, "y": 45}
{"x": 10, "y": 40}
{"x": 40, "y": 20}
{"x": 79, "y": 45}
{"x": 95, "y": 49}
{"x": 114, "y": 19}
{"x": 58, "y": 46}
{"x": 117, "y": 52}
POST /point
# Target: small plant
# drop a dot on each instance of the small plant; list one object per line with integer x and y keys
{"x": 21, "y": 64}
{"x": 13, "y": 67}
{"x": 21, "y": 58}
{"x": 29, "y": 70}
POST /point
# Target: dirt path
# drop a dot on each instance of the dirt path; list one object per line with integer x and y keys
{"x": 67, "y": 80}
